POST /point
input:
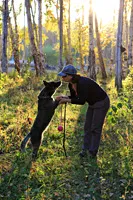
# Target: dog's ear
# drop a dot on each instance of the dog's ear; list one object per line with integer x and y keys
{"x": 45, "y": 83}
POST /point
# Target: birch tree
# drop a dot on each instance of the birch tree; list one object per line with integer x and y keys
{"x": 81, "y": 39}
{"x": 31, "y": 36}
{"x": 33, "y": 13}
{"x": 40, "y": 24}
{"x": 61, "y": 35}
{"x": 4, "y": 35}
{"x": 40, "y": 34}
{"x": 15, "y": 39}
{"x": 113, "y": 42}
{"x": 126, "y": 26}
{"x": 125, "y": 41}
{"x": 101, "y": 62}
{"x": 14, "y": 47}
{"x": 118, "y": 76}
{"x": 24, "y": 43}
{"x": 130, "y": 47}
{"x": 81, "y": 61}
{"x": 57, "y": 13}
{"x": 79, "y": 27}
{"x": 69, "y": 32}
{"x": 91, "y": 58}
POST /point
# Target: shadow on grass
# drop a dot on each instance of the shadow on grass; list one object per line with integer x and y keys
{"x": 85, "y": 174}
{"x": 54, "y": 177}
{"x": 107, "y": 177}
{"x": 14, "y": 176}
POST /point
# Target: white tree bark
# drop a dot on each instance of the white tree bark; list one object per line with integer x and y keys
{"x": 41, "y": 60}
{"x": 118, "y": 76}
{"x": 4, "y": 36}
{"x": 61, "y": 34}
{"x": 69, "y": 32}
{"x": 15, "y": 44}
{"x": 40, "y": 23}
{"x": 130, "y": 47}
{"x": 31, "y": 36}
{"x": 91, "y": 58}
{"x": 101, "y": 62}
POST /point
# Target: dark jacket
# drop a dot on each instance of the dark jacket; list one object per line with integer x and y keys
{"x": 87, "y": 91}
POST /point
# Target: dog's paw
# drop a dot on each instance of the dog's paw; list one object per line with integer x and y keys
{"x": 34, "y": 156}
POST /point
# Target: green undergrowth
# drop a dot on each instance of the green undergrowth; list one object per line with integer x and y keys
{"x": 53, "y": 176}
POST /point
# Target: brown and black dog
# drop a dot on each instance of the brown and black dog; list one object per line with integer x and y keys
{"x": 46, "y": 109}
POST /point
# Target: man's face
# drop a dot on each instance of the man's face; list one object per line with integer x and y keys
{"x": 67, "y": 78}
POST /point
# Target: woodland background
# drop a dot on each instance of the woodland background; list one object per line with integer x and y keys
{"x": 58, "y": 39}
{"x": 37, "y": 38}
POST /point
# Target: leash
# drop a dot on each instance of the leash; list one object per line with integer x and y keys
{"x": 64, "y": 133}
{"x": 60, "y": 128}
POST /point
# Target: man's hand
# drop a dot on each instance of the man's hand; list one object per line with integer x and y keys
{"x": 65, "y": 100}
{"x": 58, "y": 98}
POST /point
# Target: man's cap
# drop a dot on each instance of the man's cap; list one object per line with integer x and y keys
{"x": 68, "y": 70}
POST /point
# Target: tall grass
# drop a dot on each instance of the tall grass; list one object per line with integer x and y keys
{"x": 53, "y": 176}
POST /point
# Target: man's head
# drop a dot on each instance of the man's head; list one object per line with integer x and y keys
{"x": 67, "y": 73}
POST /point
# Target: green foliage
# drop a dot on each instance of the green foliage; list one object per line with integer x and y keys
{"x": 80, "y": 41}
{"x": 51, "y": 55}
{"x": 53, "y": 176}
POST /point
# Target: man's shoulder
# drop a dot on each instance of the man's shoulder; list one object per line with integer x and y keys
{"x": 84, "y": 79}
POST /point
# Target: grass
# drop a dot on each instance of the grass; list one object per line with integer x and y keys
{"x": 53, "y": 176}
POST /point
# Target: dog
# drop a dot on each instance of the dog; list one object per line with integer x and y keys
{"x": 46, "y": 109}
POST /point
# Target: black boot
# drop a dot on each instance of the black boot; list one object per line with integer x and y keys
{"x": 83, "y": 153}
{"x": 92, "y": 154}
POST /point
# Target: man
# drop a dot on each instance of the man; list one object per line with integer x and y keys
{"x": 82, "y": 90}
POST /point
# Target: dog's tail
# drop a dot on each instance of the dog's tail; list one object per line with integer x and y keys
{"x": 24, "y": 142}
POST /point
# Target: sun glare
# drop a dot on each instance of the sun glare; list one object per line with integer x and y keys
{"x": 103, "y": 8}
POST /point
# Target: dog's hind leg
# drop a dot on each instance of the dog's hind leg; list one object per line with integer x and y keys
{"x": 24, "y": 142}
{"x": 36, "y": 142}
{"x": 35, "y": 150}
{"x": 34, "y": 153}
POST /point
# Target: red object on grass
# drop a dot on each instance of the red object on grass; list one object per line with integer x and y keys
{"x": 60, "y": 128}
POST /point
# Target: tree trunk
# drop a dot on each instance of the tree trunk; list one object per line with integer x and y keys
{"x": 41, "y": 60}
{"x": 118, "y": 78}
{"x": 125, "y": 42}
{"x": 15, "y": 37}
{"x": 31, "y": 36}
{"x": 40, "y": 23}
{"x": 57, "y": 13}
{"x": 80, "y": 46}
{"x": 101, "y": 62}
{"x": 69, "y": 33}
{"x": 61, "y": 35}
{"x": 126, "y": 32}
{"x": 130, "y": 47}
{"x": 4, "y": 36}
{"x": 91, "y": 58}
{"x": 112, "y": 60}
{"x": 14, "y": 47}
{"x": 24, "y": 52}
{"x": 81, "y": 40}
{"x": 34, "y": 26}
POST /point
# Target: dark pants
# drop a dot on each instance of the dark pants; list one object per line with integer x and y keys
{"x": 93, "y": 125}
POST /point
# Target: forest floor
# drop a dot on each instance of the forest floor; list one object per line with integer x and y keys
{"x": 53, "y": 176}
